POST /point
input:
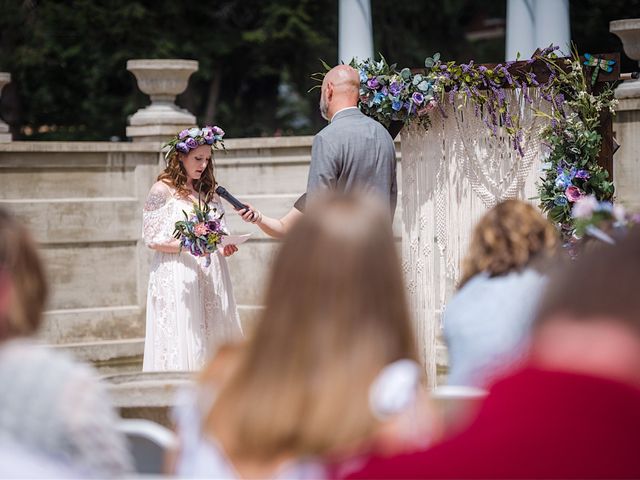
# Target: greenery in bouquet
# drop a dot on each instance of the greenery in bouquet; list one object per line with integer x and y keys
{"x": 571, "y": 170}
{"x": 201, "y": 231}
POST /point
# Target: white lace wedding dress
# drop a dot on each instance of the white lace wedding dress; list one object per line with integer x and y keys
{"x": 190, "y": 306}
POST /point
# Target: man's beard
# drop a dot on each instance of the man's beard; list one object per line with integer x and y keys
{"x": 324, "y": 108}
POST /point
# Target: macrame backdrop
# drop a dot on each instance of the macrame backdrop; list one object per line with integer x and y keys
{"x": 451, "y": 175}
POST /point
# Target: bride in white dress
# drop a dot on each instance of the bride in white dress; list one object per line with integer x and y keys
{"x": 190, "y": 305}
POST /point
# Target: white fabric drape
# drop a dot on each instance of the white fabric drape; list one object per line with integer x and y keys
{"x": 451, "y": 175}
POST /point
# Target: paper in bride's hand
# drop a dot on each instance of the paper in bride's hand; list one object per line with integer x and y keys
{"x": 234, "y": 239}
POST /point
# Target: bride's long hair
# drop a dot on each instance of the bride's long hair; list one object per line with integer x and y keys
{"x": 176, "y": 175}
{"x": 335, "y": 314}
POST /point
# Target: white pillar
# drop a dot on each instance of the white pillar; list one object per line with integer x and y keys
{"x": 520, "y": 29}
{"x": 355, "y": 33}
{"x": 552, "y": 24}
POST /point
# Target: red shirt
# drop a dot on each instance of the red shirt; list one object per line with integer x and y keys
{"x": 535, "y": 424}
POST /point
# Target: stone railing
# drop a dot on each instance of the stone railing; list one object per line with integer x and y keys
{"x": 83, "y": 202}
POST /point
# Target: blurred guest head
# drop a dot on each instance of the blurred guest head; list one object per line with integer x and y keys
{"x": 335, "y": 315}
{"x": 23, "y": 289}
{"x": 509, "y": 237}
{"x": 589, "y": 319}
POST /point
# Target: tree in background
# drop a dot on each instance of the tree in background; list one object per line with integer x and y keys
{"x": 68, "y": 59}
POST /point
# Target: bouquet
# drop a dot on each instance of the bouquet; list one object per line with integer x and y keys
{"x": 201, "y": 232}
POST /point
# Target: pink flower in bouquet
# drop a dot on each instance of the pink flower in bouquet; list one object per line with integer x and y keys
{"x": 573, "y": 193}
{"x": 200, "y": 229}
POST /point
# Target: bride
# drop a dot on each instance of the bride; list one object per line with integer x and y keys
{"x": 190, "y": 304}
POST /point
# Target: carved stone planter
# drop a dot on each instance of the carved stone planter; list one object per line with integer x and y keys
{"x": 162, "y": 80}
{"x": 5, "y": 136}
{"x": 629, "y": 32}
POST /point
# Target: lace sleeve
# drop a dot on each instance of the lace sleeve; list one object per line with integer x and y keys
{"x": 157, "y": 227}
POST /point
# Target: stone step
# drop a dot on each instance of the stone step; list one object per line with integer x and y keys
{"x": 109, "y": 356}
{"x": 79, "y": 326}
{"x": 148, "y": 395}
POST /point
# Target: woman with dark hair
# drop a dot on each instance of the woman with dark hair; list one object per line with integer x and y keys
{"x": 190, "y": 304}
{"x": 487, "y": 322}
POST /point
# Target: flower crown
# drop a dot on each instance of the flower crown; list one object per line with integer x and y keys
{"x": 191, "y": 138}
{"x": 594, "y": 219}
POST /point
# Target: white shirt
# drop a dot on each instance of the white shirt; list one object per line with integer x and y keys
{"x": 341, "y": 110}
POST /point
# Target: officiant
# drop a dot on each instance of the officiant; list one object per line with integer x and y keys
{"x": 353, "y": 152}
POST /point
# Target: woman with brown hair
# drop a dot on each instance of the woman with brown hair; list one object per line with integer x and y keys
{"x": 487, "y": 322}
{"x": 190, "y": 304}
{"x": 51, "y": 408}
{"x": 330, "y": 368}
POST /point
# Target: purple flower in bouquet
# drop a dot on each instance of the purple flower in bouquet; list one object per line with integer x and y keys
{"x": 218, "y": 131}
{"x": 191, "y": 143}
{"x": 209, "y": 139}
{"x": 417, "y": 98}
{"x": 385, "y": 91}
{"x": 183, "y": 134}
{"x": 573, "y": 193}
{"x": 182, "y": 147}
{"x": 582, "y": 175}
{"x": 396, "y": 87}
{"x": 396, "y": 105}
{"x": 373, "y": 83}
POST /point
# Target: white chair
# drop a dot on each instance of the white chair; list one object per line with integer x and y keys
{"x": 457, "y": 404}
{"x": 148, "y": 443}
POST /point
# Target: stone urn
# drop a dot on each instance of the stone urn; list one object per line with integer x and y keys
{"x": 5, "y": 136}
{"x": 162, "y": 80}
{"x": 629, "y": 32}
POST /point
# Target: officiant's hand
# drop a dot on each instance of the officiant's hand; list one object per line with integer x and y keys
{"x": 250, "y": 214}
{"x": 229, "y": 250}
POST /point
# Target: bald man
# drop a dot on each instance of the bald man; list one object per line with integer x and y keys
{"x": 353, "y": 151}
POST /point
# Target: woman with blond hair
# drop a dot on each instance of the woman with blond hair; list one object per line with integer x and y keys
{"x": 487, "y": 322}
{"x": 330, "y": 369}
{"x": 52, "y": 409}
{"x": 190, "y": 304}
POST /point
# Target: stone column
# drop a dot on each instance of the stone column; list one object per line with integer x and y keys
{"x": 552, "y": 24}
{"x": 162, "y": 80}
{"x": 5, "y": 136}
{"x": 626, "y": 124}
{"x": 520, "y": 29}
{"x": 355, "y": 36}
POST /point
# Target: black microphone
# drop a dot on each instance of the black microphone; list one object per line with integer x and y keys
{"x": 237, "y": 204}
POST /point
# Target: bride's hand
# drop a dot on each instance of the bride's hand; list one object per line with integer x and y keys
{"x": 229, "y": 250}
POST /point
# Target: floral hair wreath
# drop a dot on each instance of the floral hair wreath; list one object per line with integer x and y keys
{"x": 191, "y": 138}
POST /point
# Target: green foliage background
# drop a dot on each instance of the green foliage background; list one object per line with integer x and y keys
{"x": 68, "y": 58}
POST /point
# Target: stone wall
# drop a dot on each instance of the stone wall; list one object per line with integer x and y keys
{"x": 83, "y": 203}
